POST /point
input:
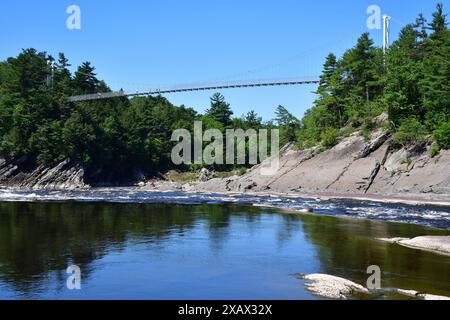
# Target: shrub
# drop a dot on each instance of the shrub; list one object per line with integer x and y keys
{"x": 410, "y": 132}
{"x": 395, "y": 173}
{"x": 330, "y": 137}
{"x": 407, "y": 161}
{"x": 435, "y": 150}
{"x": 366, "y": 134}
{"x": 242, "y": 171}
{"x": 181, "y": 177}
{"x": 346, "y": 132}
{"x": 442, "y": 135}
{"x": 306, "y": 138}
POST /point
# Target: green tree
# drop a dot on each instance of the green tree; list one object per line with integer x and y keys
{"x": 252, "y": 120}
{"x": 329, "y": 91}
{"x": 78, "y": 136}
{"x": 404, "y": 64}
{"x": 362, "y": 67}
{"x": 47, "y": 144}
{"x": 220, "y": 110}
{"x": 288, "y": 124}
{"x": 63, "y": 77}
{"x": 439, "y": 23}
{"x": 329, "y": 137}
{"x": 442, "y": 135}
{"x": 85, "y": 80}
{"x": 435, "y": 85}
{"x": 410, "y": 132}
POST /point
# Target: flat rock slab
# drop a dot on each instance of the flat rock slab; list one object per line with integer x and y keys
{"x": 437, "y": 244}
{"x": 424, "y": 296}
{"x": 332, "y": 287}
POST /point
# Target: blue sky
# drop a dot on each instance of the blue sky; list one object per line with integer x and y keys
{"x": 137, "y": 44}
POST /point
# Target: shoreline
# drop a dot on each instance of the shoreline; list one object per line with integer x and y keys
{"x": 414, "y": 200}
{"x": 166, "y": 186}
{"x": 396, "y": 199}
{"x": 307, "y": 204}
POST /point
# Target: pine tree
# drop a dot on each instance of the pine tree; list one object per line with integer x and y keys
{"x": 329, "y": 90}
{"x": 435, "y": 86}
{"x": 329, "y": 69}
{"x": 288, "y": 124}
{"x": 404, "y": 72}
{"x": 421, "y": 27}
{"x": 439, "y": 23}
{"x": 85, "y": 80}
{"x": 252, "y": 120}
{"x": 220, "y": 110}
{"x": 363, "y": 76}
{"x": 63, "y": 76}
{"x": 363, "y": 67}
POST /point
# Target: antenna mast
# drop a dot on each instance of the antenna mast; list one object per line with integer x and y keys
{"x": 386, "y": 32}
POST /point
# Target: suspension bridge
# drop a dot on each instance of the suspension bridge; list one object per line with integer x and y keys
{"x": 207, "y": 87}
{"x": 178, "y": 89}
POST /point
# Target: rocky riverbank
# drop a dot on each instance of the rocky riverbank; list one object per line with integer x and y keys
{"x": 357, "y": 167}
{"x": 354, "y": 167}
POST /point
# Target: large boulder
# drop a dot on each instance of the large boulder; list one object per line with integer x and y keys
{"x": 205, "y": 175}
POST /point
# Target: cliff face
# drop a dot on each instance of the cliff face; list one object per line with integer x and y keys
{"x": 353, "y": 166}
{"x": 25, "y": 173}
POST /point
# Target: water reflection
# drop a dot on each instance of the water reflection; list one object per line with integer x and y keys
{"x": 39, "y": 238}
{"x": 225, "y": 251}
{"x": 346, "y": 247}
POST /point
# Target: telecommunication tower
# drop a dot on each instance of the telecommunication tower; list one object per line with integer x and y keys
{"x": 386, "y": 32}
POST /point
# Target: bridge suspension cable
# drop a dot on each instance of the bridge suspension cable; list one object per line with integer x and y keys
{"x": 121, "y": 93}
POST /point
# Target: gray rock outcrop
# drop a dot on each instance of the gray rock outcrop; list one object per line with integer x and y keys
{"x": 205, "y": 175}
{"x": 23, "y": 173}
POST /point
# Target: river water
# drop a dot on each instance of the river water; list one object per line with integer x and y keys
{"x": 131, "y": 244}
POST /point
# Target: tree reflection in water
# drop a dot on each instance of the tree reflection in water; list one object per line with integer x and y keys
{"x": 38, "y": 241}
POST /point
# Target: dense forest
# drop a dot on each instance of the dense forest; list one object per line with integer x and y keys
{"x": 411, "y": 82}
{"x": 122, "y": 137}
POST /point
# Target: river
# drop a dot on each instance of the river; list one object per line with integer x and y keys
{"x": 132, "y": 244}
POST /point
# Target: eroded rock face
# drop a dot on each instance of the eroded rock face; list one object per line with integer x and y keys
{"x": 23, "y": 173}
